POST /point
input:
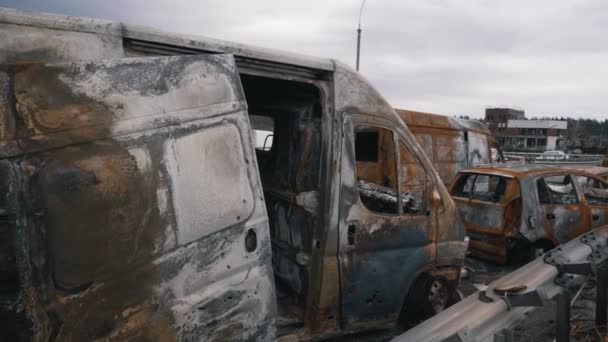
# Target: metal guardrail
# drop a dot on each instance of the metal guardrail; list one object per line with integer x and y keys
{"x": 486, "y": 314}
{"x": 571, "y": 157}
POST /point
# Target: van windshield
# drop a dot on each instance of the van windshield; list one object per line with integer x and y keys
{"x": 487, "y": 188}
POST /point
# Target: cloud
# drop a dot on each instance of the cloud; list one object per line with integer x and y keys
{"x": 445, "y": 56}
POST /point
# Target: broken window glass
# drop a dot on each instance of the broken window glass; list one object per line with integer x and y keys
{"x": 595, "y": 191}
{"x": 376, "y": 169}
{"x": 543, "y": 192}
{"x": 559, "y": 190}
{"x": 464, "y": 186}
{"x": 487, "y": 188}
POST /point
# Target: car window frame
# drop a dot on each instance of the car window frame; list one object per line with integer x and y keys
{"x": 476, "y": 177}
{"x": 581, "y": 191}
{"x": 575, "y": 186}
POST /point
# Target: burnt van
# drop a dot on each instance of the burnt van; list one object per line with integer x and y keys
{"x": 452, "y": 144}
{"x": 144, "y": 200}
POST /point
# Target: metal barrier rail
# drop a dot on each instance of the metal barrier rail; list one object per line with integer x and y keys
{"x": 484, "y": 315}
{"x": 571, "y": 157}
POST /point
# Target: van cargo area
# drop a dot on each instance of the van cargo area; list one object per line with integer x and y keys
{"x": 289, "y": 168}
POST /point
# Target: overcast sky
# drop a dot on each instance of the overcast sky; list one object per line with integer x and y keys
{"x": 548, "y": 57}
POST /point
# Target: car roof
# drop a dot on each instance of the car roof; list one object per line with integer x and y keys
{"x": 521, "y": 171}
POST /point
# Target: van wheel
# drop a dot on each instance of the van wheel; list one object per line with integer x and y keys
{"x": 428, "y": 296}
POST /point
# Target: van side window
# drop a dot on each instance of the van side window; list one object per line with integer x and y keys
{"x": 376, "y": 169}
{"x": 595, "y": 191}
{"x": 557, "y": 190}
{"x": 413, "y": 182}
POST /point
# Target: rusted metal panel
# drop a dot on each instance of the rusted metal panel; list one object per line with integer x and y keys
{"x": 123, "y": 227}
{"x": 373, "y": 247}
{"x": 35, "y": 37}
{"x": 521, "y": 214}
{"x": 437, "y": 121}
{"x": 452, "y": 144}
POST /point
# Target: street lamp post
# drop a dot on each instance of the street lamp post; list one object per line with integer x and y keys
{"x": 359, "y": 34}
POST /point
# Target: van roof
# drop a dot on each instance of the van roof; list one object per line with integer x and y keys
{"x": 520, "y": 171}
{"x": 142, "y": 33}
{"x": 414, "y": 118}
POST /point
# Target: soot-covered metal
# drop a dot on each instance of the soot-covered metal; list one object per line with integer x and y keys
{"x": 106, "y": 239}
{"x": 138, "y": 208}
{"x": 513, "y": 212}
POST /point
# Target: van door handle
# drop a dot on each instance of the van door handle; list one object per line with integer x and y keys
{"x": 550, "y": 216}
{"x": 595, "y": 217}
{"x": 352, "y": 230}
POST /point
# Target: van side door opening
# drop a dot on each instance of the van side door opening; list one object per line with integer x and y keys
{"x": 287, "y": 115}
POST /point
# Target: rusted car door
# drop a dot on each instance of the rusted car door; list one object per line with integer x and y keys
{"x": 595, "y": 193}
{"x": 563, "y": 213}
{"x": 382, "y": 243}
{"x": 136, "y": 201}
{"x": 484, "y": 204}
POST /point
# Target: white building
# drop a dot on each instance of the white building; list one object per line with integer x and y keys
{"x": 533, "y": 135}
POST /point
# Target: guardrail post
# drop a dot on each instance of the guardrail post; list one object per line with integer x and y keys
{"x": 601, "y": 304}
{"x": 562, "y": 317}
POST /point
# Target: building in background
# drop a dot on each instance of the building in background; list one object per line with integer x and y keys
{"x": 496, "y": 118}
{"x": 533, "y": 135}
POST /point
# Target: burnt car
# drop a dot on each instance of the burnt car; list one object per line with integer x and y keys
{"x": 514, "y": 212}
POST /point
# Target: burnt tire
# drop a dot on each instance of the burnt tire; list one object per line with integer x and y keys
{"x": 427, "y": 297}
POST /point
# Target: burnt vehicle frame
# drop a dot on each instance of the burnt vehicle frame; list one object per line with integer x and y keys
{"x": 452, "y": 144}
{"x": 112, "y": 110}
{"x": 519, "y": 211}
